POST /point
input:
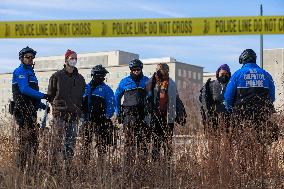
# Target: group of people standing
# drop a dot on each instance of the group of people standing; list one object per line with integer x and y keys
{"x": 246, "y": 96}
{"x": 98, "y": 107}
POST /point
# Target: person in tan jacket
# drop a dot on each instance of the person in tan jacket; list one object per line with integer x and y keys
{"x": 66, "y": 89}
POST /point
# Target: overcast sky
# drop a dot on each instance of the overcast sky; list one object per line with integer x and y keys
{"x": 209, "y": 52}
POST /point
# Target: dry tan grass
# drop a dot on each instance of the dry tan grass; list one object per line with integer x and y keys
{"x": 201, "y": 162}
{"x": 212, "y": 161}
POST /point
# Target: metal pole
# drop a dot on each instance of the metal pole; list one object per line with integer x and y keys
{"x": 261, "y": 41}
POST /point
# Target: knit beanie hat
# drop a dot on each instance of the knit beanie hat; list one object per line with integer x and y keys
{"x": 68, "y": 53}
{"x": 223, "y": 67}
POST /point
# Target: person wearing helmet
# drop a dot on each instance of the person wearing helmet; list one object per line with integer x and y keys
{"x": 250, "y": 93}
{"x": 212, "y": 98}
{"x": 27, "y": 101}
{"x": 131, "y": 112}
{"x": 66, "y": 89}
{"x": 98, "y": 108}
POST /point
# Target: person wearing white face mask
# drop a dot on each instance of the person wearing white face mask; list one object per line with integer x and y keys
{"x": 66, "y": 89}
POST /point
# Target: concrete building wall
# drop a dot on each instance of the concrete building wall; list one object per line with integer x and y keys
{"x": 189, "y": 78}
{"x": 273, "y": 62}
{"x": 86, "y": 60}
{"x": 208, "y": 75}
{"x": 5, "y": 90}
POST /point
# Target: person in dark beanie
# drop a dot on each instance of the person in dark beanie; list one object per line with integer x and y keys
{"x": 161, "y": 95}
{"x": 66, "y": 89}
{"x": 212, "y": 98}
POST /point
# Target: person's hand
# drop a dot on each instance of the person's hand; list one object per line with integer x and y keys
{"x": 116, "y": 118}
{"x": 47, "y": 97}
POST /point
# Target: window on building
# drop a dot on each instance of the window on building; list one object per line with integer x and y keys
{"x": 184, "y": 73}
{"x": 189, "y": 74}
{"x": 178, "y": 83}
{"x": 179, "y": 72}
{"x": 189, "y": 84}
{"x": 184, "y": 84}
{"x": 199, "y": 76}
{"x": 194, "y": 75}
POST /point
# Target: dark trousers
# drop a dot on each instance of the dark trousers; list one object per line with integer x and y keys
{"x": 216, "y": 122}
{"x": 162, "y": 136}
{"x": 62, "y": 145}
{"x": 135, "y": 134}
{"x": 103, "y": 138}
{"x": 28, "y": 140}
{"x": 257, "y": 116}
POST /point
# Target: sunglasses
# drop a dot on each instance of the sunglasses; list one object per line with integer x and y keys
{"x": 29, "y": 57}
{"x": 136, "y": 69}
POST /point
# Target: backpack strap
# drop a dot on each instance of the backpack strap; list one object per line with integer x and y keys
{"x": 89, "y": 97}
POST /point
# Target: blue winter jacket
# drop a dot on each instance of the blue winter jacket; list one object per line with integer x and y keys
{"x": 25, "y": 86}
{"x": 248, "y": 82}
{"x": 134, "y": 93}
{"x": 101, "y": 100}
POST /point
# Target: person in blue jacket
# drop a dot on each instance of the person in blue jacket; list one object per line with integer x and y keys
{"x": 250, "y": 92}
{"x": 131, "y": 112}
{"x": 98, "y": 108}
{"x": 27, "y": 100}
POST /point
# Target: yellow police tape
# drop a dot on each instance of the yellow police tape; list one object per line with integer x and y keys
{"x": 143, "y": 27}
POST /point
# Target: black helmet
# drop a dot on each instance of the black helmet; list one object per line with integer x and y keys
{"x": 248, "y": 56}
{"x": 25, "y": 51}
{"x": 98, "y": 70}
{"x": 136, "y": 63}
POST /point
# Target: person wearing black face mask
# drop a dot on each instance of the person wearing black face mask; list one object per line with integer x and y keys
{"x": 98, "y": 108}
{"x": 212, "y": 98}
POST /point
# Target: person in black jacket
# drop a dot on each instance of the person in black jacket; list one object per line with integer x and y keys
{"x": 98, "y": 108}
{"x": 212, "y": 98}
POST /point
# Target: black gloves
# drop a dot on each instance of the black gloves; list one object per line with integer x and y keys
{"x": 119, "y": 119}
{"x": 47, "y": 97}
